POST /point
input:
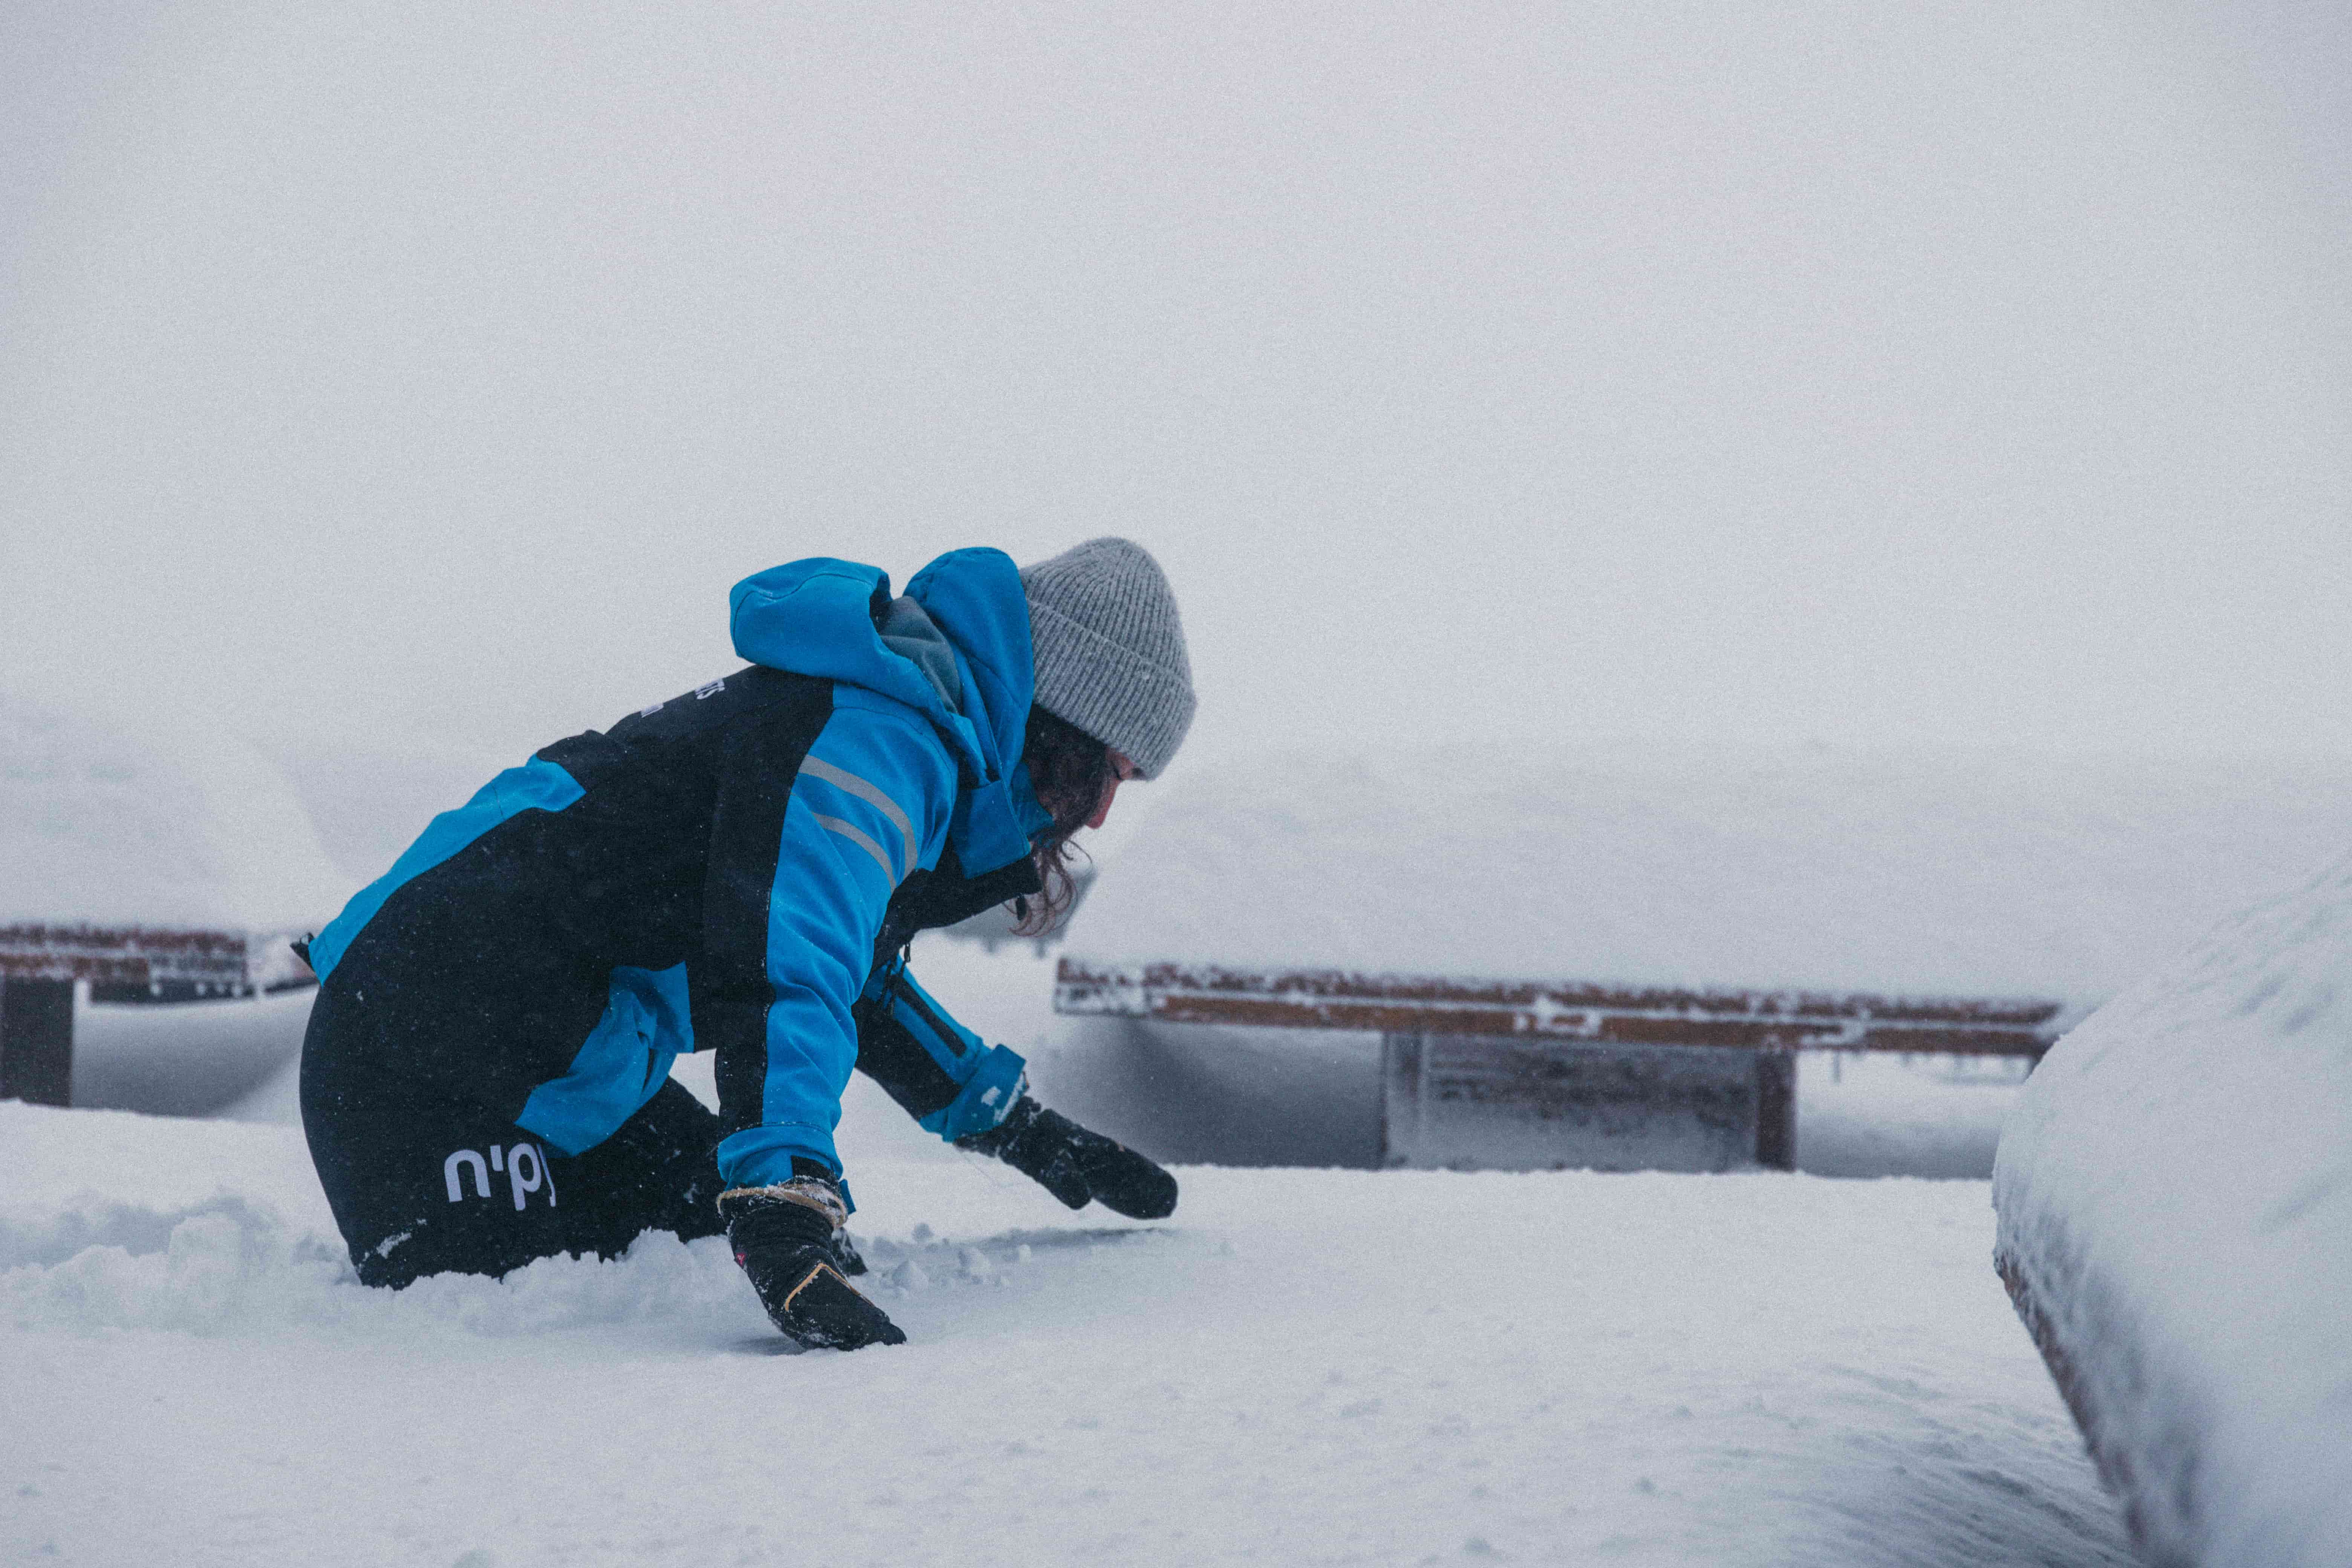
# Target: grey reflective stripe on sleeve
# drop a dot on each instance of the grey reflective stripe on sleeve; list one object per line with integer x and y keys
{"x": 857, "y": 836}
{"x": 843, "y": 778}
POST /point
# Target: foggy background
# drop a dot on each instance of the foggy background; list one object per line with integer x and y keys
{"x": 378, "y": 378}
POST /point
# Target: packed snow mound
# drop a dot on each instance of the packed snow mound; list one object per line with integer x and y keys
{"x": 194, "y": 1059}
{"x": 2175, "y": 1198}
{"x": 124, "y": 822}
{"x": 1974, "y": 874}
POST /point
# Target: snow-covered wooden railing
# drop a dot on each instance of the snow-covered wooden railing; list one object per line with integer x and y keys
{"x": 1580, "y": 1011}
{"x": 123, "y": 955}
{"x": 40, "y": 962}
{"x": 1474, "y": 1069}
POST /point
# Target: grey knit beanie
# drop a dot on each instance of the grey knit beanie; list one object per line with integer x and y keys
{"x": 1110, "y": 651}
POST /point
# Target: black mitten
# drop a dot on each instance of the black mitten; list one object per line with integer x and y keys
{"x": 785, "y": 1236}
{"x": 1075, "y": 1164}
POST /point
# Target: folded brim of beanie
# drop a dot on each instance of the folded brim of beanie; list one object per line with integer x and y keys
{"x": 1110, "y": 692}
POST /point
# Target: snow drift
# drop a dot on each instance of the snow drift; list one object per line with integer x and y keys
{"x": 2175, "y": 1198}
{"x": 185, "y": 1058}
{"x": 1979, "y": 874}
{"x": 152, "y": 824}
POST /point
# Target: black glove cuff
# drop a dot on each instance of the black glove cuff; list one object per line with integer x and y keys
{"x": 1001, "y": 1139}
{"x": 804, "y": 1211}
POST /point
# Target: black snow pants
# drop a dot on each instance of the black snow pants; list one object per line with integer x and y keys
{"x": 424, "y": 1181}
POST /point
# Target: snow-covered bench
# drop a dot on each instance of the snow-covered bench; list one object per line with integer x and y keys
{"x": 1495, "y": 1072}
{"x": 1612, "y": 960}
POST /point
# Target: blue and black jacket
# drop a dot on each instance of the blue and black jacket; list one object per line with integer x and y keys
{"x": 736, "y": 869}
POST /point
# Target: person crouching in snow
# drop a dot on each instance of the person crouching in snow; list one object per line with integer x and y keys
{"x": 739, "y": 869}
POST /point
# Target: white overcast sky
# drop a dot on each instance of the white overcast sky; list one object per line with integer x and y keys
{"x": 384, "y": 372}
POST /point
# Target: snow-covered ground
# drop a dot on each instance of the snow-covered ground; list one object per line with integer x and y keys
{"x": 1302, "y": 1366}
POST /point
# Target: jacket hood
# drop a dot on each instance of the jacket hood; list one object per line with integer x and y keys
{"x": 826, "y": 617}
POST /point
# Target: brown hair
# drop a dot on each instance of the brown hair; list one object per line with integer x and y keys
{"x": 1069, "y": 770}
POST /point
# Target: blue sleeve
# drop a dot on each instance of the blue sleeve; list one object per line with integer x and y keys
{"x": 868, "y": 805}
{"x": 954, "y": 1083}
